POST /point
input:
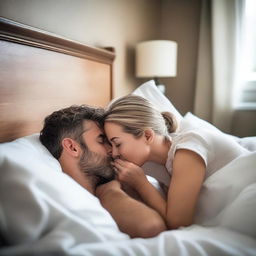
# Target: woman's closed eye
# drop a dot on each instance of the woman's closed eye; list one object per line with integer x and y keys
{"x": 115, "y": 142}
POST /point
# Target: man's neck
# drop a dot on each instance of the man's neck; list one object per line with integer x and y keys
{"x": 71, "y": 168}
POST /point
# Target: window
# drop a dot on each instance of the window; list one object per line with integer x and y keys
{"x": 246, "y": 91}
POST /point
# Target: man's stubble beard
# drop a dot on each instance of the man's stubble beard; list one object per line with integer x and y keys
{"x": 96, "y": 167}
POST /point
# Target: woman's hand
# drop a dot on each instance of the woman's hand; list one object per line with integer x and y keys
{"x": 135, "y": 177}
{"x": 130, "y": 173}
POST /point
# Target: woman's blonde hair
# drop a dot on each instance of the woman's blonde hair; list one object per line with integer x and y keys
{"x": 136, "y": 114}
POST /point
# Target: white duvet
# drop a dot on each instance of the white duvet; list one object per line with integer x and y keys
{"x": 45, "y": 212}
{"x": 225, "y": 219}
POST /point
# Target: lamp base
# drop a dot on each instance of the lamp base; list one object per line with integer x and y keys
{"x": 161, "y": 88}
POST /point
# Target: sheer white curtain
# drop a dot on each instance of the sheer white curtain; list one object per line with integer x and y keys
{"x": 218, "y": 61}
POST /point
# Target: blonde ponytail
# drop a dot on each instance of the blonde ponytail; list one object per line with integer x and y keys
{"x": 170, "y": 121}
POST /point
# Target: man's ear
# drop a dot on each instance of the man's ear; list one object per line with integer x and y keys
{"x": 71, "y": 147}
{"x": 149, "y": 135}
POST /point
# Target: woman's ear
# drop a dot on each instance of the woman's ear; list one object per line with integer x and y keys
{"x": 71, "y": 147}
{"x": 149, "y": 135}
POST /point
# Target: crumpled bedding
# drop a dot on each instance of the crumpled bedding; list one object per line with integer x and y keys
{"x": 44, "y": 212}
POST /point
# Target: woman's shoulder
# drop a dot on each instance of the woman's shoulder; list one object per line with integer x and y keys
{"x": 192, "y": 135}
{"x": 192, "y": 140}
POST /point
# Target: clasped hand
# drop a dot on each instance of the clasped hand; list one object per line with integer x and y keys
{"x": 129, "y": 178}
{"x": 129, "y": 173}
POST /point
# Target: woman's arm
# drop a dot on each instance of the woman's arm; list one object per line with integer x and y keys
{"x": 187, "y": 178}
{"x": 133, "y": 217}
{"x": 135, "y": 177}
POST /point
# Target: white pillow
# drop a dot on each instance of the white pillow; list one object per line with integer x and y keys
{"x": 192, "y": 121}
{"x": 248, "y": 143}
{"x": 37, "y": 199}
{"x": 150, "y": 92}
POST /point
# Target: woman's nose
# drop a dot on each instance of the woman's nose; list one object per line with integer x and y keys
{"x": 108, "y": 149}
{"x": 115, "y": 153}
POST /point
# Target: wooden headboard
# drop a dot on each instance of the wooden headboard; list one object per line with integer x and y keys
{"x": 41, "y": 72}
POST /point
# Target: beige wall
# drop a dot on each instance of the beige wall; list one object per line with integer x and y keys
{"x": 116, "y": 23}
{"x": 244, "y": 123}
{"x": 180, "y": 22}
{"x": 121, "y": 24}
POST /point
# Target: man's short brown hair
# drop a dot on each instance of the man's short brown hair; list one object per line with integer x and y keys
{"x": 67, "y": 122}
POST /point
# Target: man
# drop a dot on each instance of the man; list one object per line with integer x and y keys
{"x": 75, "y": 137}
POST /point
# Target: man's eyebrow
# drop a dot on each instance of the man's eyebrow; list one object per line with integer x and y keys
{"x": 101, "y": 135}
{"x": 82, "y": 132}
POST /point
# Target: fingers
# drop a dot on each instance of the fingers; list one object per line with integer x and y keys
{"x": 123, "y": 165}
{"x": 120, "y": 162}
{"x": 118, "y": 166}
{"x": 115, "y": 168}
{"x": 120, "y": 170}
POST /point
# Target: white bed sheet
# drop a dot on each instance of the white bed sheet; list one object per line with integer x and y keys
{"x": 192, "y": 241}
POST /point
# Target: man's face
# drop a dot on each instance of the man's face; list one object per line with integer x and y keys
{"x": 96, "y": 157}
{"x": 94, "y": 138}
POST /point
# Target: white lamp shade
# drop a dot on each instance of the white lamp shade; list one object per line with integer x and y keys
{"x": 156, "y": 58}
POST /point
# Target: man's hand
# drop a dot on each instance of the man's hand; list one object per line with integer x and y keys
{"x": 106, "y": 188}
{"x": 133, "y": 217}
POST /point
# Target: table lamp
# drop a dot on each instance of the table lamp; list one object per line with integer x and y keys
{"x": 155, "y": 59}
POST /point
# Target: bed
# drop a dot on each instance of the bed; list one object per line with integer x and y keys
{"x": 44, "y": 212}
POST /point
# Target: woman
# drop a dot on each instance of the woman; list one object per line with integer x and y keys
{"x": 138, "y": 133}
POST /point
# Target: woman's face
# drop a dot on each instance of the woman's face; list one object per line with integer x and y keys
{"x": 125, "y": 145}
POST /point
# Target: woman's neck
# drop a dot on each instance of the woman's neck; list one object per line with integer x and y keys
{"x": 159, "y": 150}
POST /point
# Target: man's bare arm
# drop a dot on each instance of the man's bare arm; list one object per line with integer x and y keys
{"x": 132, "y": 217}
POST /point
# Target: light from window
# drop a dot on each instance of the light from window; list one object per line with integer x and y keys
{"x": 247, "y": 69}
